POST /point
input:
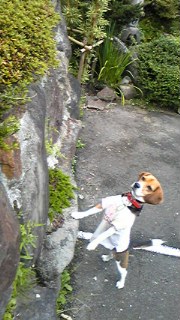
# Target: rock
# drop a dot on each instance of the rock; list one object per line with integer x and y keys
{"x": 130, "y": 32}
{"x": 24, "y": 172}
{"x": 128, "y": 91}
{"x": 39, "y": 305}
{"x": 95, "y": 103}
{"x": 107, "y": 94}
{"x": 10, "y": 160}
{"x": 58, "y": 249}
{"x": 9, "y": 248}
{"x": 126, "y": 80}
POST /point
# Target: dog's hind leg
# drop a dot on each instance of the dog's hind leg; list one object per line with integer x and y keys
{"x": 107, "y": 257}
{"x": 122, "y": 259}
{"x": 103, "y": 226}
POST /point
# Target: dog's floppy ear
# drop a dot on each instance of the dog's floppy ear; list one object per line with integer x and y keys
{"x": 143, "y": 174}
{"x": 156, "y": 197}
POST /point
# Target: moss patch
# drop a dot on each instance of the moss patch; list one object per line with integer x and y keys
{"x": 61, "y": 191}
{"x": 27, "y": 48}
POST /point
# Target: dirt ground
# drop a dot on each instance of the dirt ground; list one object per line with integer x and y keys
{"x": 119, "y": 143}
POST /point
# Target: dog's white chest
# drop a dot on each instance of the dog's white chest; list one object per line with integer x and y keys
{"x": 117, "y": 213}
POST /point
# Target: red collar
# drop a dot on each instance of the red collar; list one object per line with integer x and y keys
{"x": 137, "y": 204}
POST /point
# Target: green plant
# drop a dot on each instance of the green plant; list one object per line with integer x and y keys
{"x": 161, "y": 16}
{"x": 165, "y": 8}
{"x": 80, "y": 144}
{"x": 53, "y": 148}
{"x": 86, "y": 27}
{"x": 151, "y": 28}
{"x": 24, "y": 280}
{"x": 159, "y": 71}
{"x": 112, "y": 64}
{"x": 123, "y": 12}
{"x": 66, "y": 288}
{"x": 61, "y": 191}
{"x": 25, "y": 276}
{"x": 74, "y": 162}
{"x": 9, "y": 126}
{"x": 27, "y": 50}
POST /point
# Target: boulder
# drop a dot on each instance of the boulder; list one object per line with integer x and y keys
{"x": 9, "y": 248}
{"x": 128, "y": 91}
{"x": 107, "y": 94}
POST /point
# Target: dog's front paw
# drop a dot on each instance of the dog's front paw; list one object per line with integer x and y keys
{"x": 92, "y": 246}
{"x": 77, "y": 215}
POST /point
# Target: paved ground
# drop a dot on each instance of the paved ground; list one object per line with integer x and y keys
{"x": 120, "y": 142}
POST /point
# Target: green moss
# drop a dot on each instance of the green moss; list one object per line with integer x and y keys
{"x": 9, "y": 126}
{"x": 61, "y": 191}
{"x": 27, "y": 48}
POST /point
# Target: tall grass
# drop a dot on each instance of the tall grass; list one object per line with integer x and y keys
{"x": 112, "y": 64}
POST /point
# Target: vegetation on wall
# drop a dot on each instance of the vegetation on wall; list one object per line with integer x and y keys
{"x": 61, "y": 191}
{"x": 27, "y": 50}
{"x": 159, "y": 71}
{"x": 66, "y": 289}
{"x": 25, "y": 275}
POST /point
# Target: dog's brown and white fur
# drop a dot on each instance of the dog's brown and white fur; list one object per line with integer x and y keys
{"x": 120, "y": 213}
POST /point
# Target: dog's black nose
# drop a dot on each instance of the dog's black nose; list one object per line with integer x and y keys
{"x": 137, "y": 185}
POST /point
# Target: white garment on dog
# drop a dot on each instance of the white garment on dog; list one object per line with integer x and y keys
{"x": 118, "y": 215}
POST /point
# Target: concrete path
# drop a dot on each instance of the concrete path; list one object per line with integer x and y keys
{"x": 120, "y": 142}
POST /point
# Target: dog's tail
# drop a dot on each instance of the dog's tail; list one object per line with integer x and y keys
{"x": 156, "y": 245}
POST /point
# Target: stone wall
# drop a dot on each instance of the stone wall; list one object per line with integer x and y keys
{"x": 52, "y": 113}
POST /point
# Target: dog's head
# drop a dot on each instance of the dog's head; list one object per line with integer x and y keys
{"x": 148, "y": 189}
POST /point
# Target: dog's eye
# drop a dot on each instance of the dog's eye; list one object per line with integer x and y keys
{"x": 143, "y": 179}
{"x": 149, "y": 188}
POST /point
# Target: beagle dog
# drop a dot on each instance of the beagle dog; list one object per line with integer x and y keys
{"x": 120, "y": 212}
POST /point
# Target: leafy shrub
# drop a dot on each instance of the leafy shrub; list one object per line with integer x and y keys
{"x": 60, "y": 192}
{"x": 86, "y": 26}
{"x": 151, "y": 27}
{"x": 159, "y": 71}
{"x": 123, "y": 12}
{"x": 27, "y": 48}
{"x": 160, "y": 16}
{"x": 165, "y": 8}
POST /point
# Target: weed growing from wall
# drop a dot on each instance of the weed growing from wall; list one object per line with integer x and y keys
{"x": 25, "y": 276}
{"x": 66, "y": 289}
{"x": 80, "y": 144}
